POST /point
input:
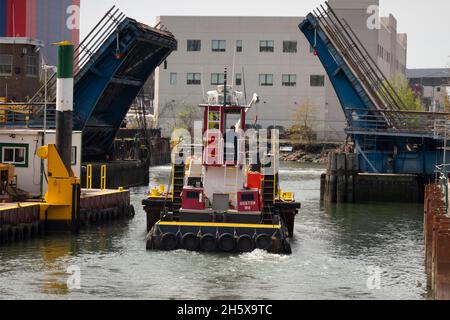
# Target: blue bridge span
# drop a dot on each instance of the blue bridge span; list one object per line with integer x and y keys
{"x": 387, "y": 137}
{"x": 112, "y": 65}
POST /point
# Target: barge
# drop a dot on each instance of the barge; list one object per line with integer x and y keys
{"x": 224, "y": 194}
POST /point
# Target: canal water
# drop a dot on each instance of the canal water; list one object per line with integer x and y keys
{"x": 339, "y": 252}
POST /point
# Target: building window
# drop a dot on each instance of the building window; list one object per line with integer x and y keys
{"x": 214, "y": 120}
{"x": 6, "y": 62}
{"x": 194, "y": 45}
{"x": 74, "y": 156}
{"x": 194, "y": 78}
{"x": 266, "y": 46}
{"x": 238, "y": 79}
{"x": 317, "y": 81}
{"x": 290, "y": 46}
{"x": 266, "y": 80}
{"x": 217, "y": 78}
{"x": 173, "y": 78}
{"x": 238, "y": 45}
{"x": 32, "y": 65}
{"x": 219, "y": 45}
{"x": 289, "y": 80}
{"x": 15, "y": 154}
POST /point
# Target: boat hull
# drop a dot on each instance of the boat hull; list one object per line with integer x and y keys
{"x": 218, "y": 237}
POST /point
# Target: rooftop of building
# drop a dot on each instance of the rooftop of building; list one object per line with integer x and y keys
{"x": 428, "y": 73}
{"x": 22, "y": 41}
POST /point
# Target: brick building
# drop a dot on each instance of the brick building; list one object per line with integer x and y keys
{"x": 19, "y": 68}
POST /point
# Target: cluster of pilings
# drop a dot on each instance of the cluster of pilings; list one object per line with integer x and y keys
{"x": 437, "y": 242}
{"x": 338, "y": 183}
{"x": 105, "y": 206}
{"x": 19, "y": 222}
{"x": 343, "y": 183}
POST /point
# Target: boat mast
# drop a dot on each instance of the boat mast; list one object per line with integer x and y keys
{"x": 225, "y": 76}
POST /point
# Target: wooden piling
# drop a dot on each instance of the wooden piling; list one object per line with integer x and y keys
{"x": 437, "y": 242}
{"x": 323, "y": 179}
{"x": 351, "y": 175}
{"x": 341, "y": 183}
{"x": 332, "y": 178}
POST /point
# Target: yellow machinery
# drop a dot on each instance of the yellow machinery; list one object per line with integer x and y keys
{"x": 10, "y": 111}
{"x": 7, "y": 175}
{"x": 3, "y": 101}
{"x": 9, "y": 190}
{"x": 61, "y": 206}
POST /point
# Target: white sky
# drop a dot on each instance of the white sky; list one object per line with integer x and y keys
{"x": 426, "y": 22}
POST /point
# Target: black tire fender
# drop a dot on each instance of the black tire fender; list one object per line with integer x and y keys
{"x": 169, "y": 241}
{"x": 245, "y": 243}
{"x": 227, "y": 242}
{"x": 190, "y": 242}
{"x": 208, "y": 242}
{"x": 263, "y": 242}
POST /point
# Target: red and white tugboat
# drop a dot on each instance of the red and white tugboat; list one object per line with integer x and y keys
{"x": 222, "y": 199}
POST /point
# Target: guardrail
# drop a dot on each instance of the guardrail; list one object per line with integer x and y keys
{"x": 27, "y": 115}
{"x": 407, "y": 122}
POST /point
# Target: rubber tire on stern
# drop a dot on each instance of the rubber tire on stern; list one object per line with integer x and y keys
{"x": 245, "y": 244}
{"x": 208, "y": 243}
{"x": 263, "y": 242}
{"x": 169, "y": 242}
{"x": 190, "y": 242}
{"x": 227, "y": 242}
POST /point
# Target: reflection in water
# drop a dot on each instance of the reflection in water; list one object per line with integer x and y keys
{"x": 333, "y": 248}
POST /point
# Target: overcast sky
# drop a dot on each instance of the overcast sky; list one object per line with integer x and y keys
{"x": 427, "y": 23}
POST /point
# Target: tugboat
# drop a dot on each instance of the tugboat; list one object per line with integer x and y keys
{"x": 217, "y": 201}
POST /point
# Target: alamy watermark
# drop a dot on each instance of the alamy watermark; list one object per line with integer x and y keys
{"x": 74, "y": 279}
{"x": 374, "y": 279}
{"x": 235, "y": 145}
{"x": 73, "y": 18}
{"x": 374, "y": 21}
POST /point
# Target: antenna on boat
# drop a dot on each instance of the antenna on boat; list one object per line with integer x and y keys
{"x": 225, "y": 76}
{"x": 234, "y": 65}
{"x": 203, "y": 86}
{"x": 245, "y": 88}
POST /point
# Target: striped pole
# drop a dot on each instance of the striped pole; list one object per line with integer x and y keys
{"x": 64, "y": 102}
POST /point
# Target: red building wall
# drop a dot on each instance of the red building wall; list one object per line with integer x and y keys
{"x": 47, "y": 20}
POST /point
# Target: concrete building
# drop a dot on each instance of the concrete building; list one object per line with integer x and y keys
{"x": 432, "y": 85}
{"x": 19, "y": 68}
{"x": 48, "y": 21}
{"x": 269, "y": 56}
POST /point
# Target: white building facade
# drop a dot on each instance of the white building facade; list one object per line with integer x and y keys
{"x": 268, "y": 56}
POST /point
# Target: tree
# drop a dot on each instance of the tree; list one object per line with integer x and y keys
{"x": 186, "y": 118}
{"x": 402, "y": 88}
{"x": 305, "y": 122}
